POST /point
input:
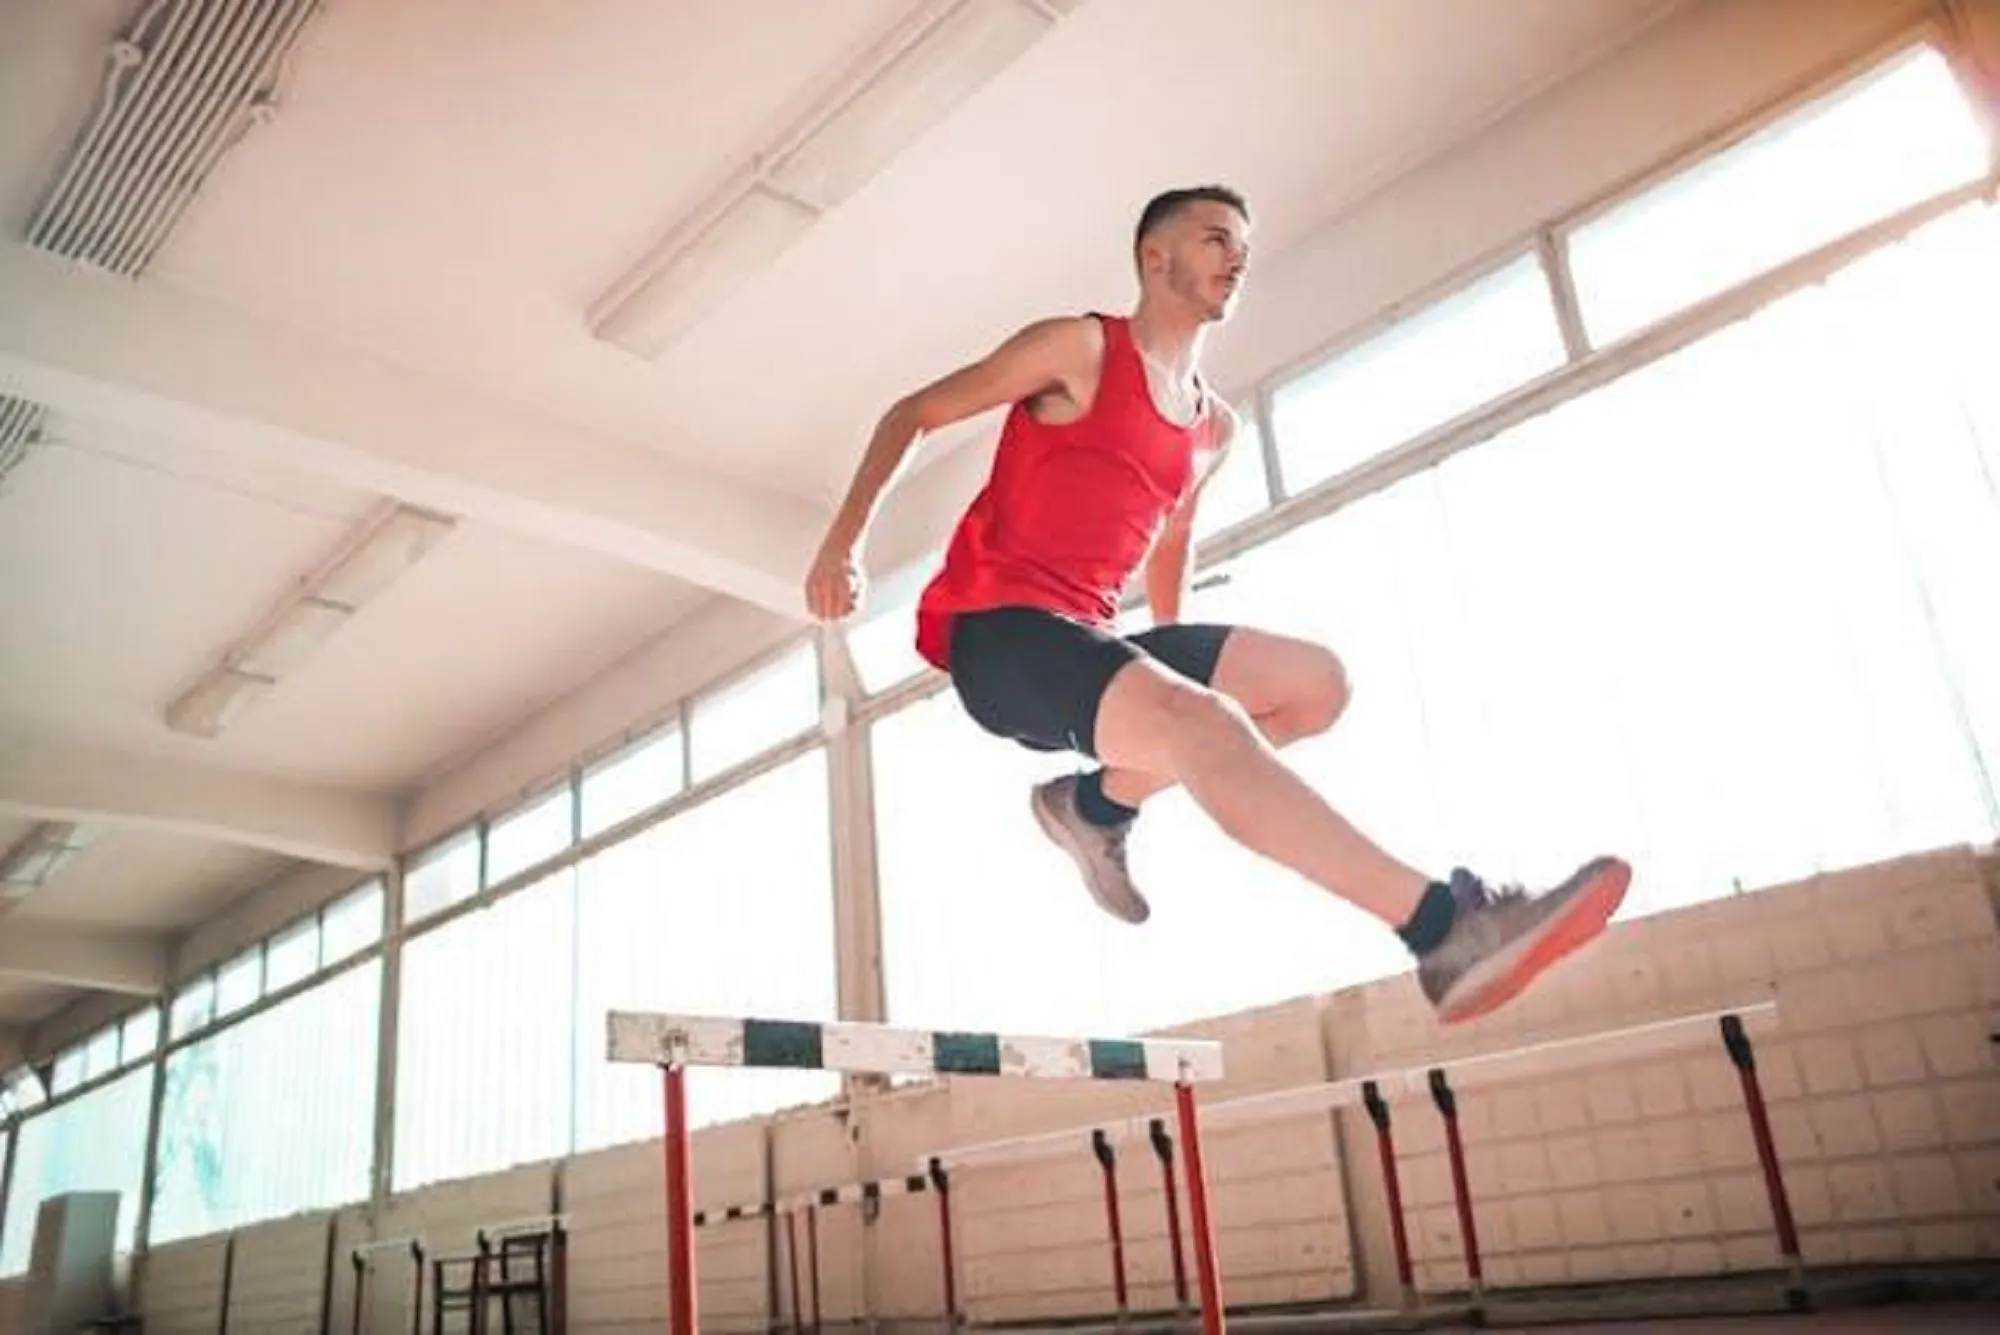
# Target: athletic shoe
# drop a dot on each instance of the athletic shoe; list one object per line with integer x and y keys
{"x": 1502, "y": 940}
{"x": 1099, "y": 850}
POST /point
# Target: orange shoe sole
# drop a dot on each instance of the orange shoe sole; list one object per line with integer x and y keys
{"x": 1584, "y": 923}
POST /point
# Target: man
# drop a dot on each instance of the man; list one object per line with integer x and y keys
{"x": 1110, "y": 435}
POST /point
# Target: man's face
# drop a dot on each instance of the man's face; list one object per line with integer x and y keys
{"x": 1207, "y": 251}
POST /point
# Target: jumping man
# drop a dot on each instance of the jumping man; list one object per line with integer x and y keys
{"x": 1111, "y": 434}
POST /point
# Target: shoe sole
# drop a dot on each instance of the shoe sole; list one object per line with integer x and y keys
{"x": 1580, "y": 924}
{"x": 1060, "y": 837}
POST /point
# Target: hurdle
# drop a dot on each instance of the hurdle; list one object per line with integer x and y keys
{"x": 675, "y": 1042}
{"x": 869, "y": 1193}
{"x": 1439, "y": 1083}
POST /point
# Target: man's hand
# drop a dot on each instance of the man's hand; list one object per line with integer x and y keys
{"x": 835, "y": 584}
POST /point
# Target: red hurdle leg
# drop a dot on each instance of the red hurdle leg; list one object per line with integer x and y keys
{"x": 1461, "y": 1189}
{"x": 1100, "y": 1145}
{"x": 1163, "y": 1146}
{"x": 942, "y": 1185}
{"x": 680, "y": 1208}
{"x": 1737, "y": 1040}
{"x": 1204, "y": 1235}
{"x": 1392, "y": 1186}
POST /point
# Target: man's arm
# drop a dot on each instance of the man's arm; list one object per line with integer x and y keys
{"x": 1043, "y": 356}
{"x": 1171, "y": 562}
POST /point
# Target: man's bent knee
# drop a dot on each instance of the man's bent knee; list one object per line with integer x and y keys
{"x": 1321, "y": 695}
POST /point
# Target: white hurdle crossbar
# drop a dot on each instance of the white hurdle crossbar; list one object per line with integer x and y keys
{"x": 676, "y": 1042}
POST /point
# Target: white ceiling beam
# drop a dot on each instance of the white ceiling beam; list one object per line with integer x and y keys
{"x": 47, "y": 779}
{"x": 162, "y": 360}
{"x": 104, "y": 961}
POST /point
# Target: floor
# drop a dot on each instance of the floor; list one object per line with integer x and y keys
{"x": 1896, "y": 1319}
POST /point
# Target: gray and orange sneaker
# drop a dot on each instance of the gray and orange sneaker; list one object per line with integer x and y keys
{"x": 1099, "y": 851}
{"x": 1502, "y": 940}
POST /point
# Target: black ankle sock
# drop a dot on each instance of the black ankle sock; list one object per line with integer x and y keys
{"x": 1095, "y": 807}
{"x": 1430, "y": 923}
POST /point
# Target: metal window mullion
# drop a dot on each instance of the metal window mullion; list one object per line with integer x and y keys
{"x": 1267, "y": 442}
{"x": 1552, "y": 249}
{"x": 7, "y": 1170}
{"x": 684, "y": 716}
{"x": 382, "y": 1165}
{"x": 142, "y": 1228}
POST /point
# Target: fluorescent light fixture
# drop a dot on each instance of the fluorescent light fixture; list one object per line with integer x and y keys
{"x": 216, "y": 701}
{"x": 40, "y": 854}
{"x": 766, "y": 209}
{"x": 912, "y": 93}
{"x": 396, "y": 541}
{"x": 289, "y": 639}
{"x": 373, "y": 558}
{"x": 745, "y": 239}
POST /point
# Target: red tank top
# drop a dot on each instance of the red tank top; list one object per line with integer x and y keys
{"x": 1069, "y": 511}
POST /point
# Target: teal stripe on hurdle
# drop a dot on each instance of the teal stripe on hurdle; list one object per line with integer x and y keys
{"x": 786, "y": 1043}
{"x": 1117, "y": 1059}
{"x": 966, "y": 1054}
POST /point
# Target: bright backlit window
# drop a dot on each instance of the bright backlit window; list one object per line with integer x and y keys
{"x": 1882, "y": 143}
{"x": 1240, "y": 489}
{"x": 442, "y": 875}
{"x": 226, "y": 1158}
{"x": 483, "y": 1051}
{"x": 725, "y": 909}
{"x": 630, "y": 780}
{"x": 537, "y": 829}
{"x": 736, "y": 721}
{"x": 1464, "y": 350}
{"x": 93, "y": 1143}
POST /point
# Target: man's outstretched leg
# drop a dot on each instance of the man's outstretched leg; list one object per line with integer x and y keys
{"x": 1475, "y": 947}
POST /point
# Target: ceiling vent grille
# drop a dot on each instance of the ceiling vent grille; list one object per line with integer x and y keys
{"x": 20, "y": 429}
{"x": 182, "y": 86}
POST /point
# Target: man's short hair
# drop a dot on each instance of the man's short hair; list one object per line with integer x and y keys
{"x": 1163, "y": 207}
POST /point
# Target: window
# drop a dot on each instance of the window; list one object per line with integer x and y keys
{"x": 1465, "y": 350}
{"x": 93, "y": 1143}
{"x": 1792, "y": 521}
{"x": 101, "y": 1053}
{"x": 483, "y": 1051}
{"x": 225, "y": 1160}
{"x": 1240, "y": 489}
{"x": 883, "y": 642}
{"x": 142, "y": 1034}
{"x": 540, "y": 828}
{"x": 442, "y": 875}
{"x": 292, "y": 955}
{"x": 194, "y": 1005}
{"x": 627, "y": 782}
{"x": 351, "y": 924}
{"x": 239, "y": 982}
{"x": 740, "y": 719}
{"x": 72, "y": 1069}
{"x": 726, "y": 909}
{"x": 1881, "y": 143}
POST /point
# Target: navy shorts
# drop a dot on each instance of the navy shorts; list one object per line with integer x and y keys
{"x": 1036, "y": 677}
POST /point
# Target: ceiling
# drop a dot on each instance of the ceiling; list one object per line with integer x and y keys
{"x": 382, "y": 295}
